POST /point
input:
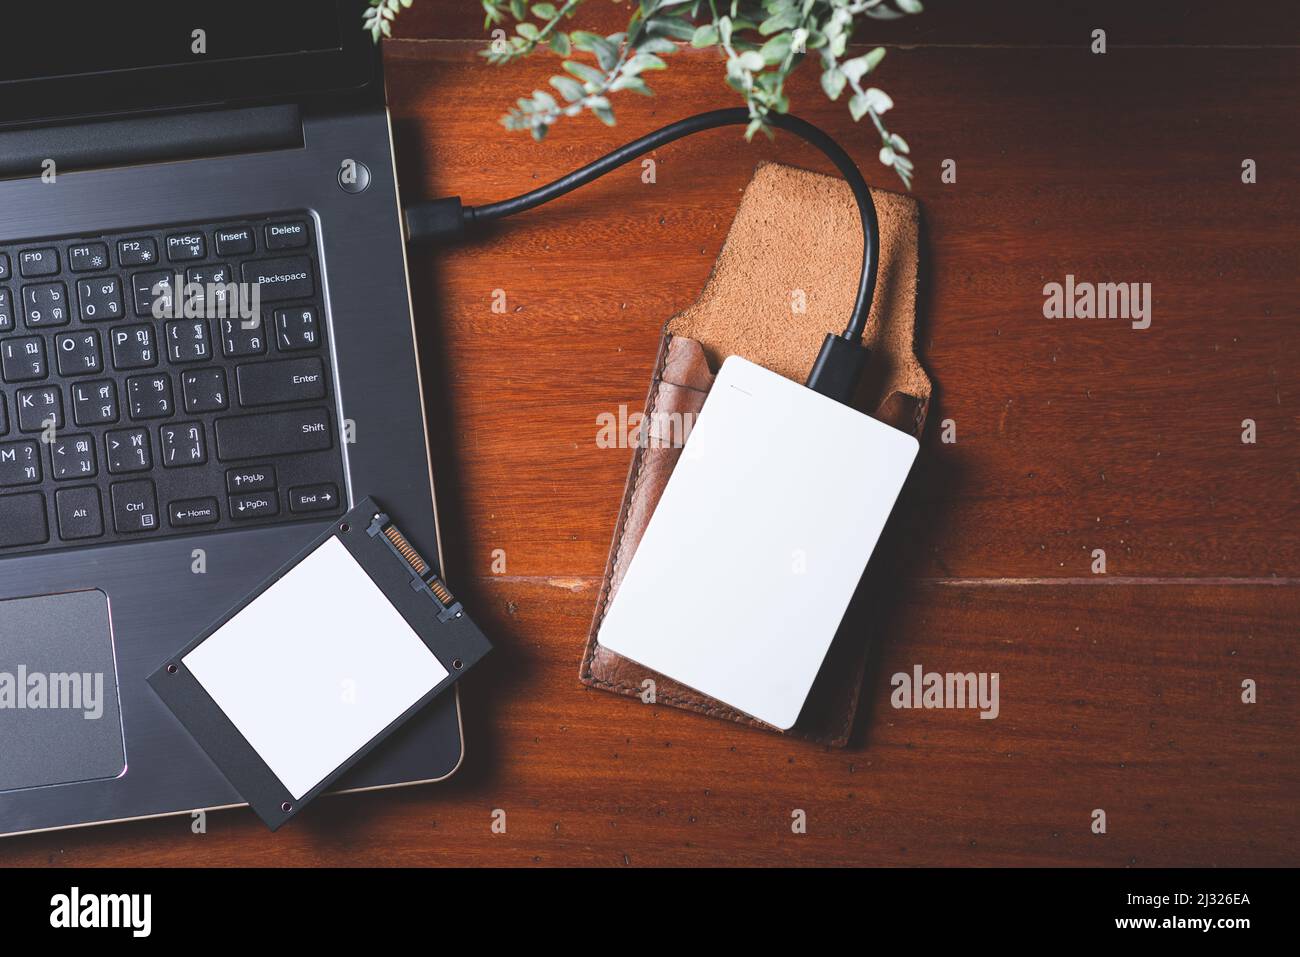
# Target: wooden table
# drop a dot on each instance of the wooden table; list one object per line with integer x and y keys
{"x": 1120, "y": 691}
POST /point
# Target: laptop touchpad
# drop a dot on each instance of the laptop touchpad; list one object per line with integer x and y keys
{"x": 59, "y": 716}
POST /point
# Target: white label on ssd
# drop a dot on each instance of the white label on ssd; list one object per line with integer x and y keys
{"x": 315, "y": 667}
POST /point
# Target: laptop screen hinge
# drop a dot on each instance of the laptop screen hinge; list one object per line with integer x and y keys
{"x": 100, "y": 144}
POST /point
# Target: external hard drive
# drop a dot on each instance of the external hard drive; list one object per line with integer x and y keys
{"x": 304, "y": 676}
{"x": 759, "y": 540}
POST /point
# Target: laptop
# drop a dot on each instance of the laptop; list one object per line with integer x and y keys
{"x": 207, "y": 354}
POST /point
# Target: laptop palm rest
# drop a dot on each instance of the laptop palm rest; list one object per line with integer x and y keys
{"x": 60, "y": 721}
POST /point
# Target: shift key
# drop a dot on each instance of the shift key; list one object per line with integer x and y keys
{"x": 287, "y": 278}
{"x": 273, "y": 433}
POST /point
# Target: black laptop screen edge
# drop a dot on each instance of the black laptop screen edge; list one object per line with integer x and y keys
{"x": 347, "y": 71}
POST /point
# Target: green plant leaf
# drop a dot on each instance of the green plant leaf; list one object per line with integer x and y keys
{"x": 642, "y": 62}
{"x": 543, "y": 11}
{"x": 633, "y": 83}
{"x": 860, "y": 66}
{"x": 833, "y": 82}
{"x": 782, "y": 21}
{"x": 671, "y": 26}
{"x": 878, "y": 101}
{"x": 606, "y": 52}
{"x": 704, "y": 36}
{"x": 656, "y": 45}
{"x": 776, "y": 49}
{"x": 584, "y": 72}
{"x": 569, "y": 88}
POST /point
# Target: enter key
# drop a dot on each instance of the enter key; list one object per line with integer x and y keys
{"x": 284, "y": 380}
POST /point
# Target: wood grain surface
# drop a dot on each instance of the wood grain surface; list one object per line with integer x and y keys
{"x": 1119, "y": 691}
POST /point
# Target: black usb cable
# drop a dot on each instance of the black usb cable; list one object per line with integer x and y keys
{"x": 842, "y": 358}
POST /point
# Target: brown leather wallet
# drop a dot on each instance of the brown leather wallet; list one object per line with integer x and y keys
{"x": 786, "y": 275}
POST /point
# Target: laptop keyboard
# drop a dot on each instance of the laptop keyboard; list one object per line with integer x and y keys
{"x": 141, "y": 395}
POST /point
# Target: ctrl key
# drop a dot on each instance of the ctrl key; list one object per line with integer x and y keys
{"x": 135, "y": 507}
{"x": 22, "y": 520}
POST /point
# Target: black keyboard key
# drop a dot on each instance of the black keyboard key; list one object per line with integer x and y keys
{"x": 186, "y": 247}
{"x": 4, "y": 266}
{"x": 152, "y": 288}
{"x": 281, "y": 279}
{"x": 39, "y": 408}
{"x": 296, "y": 329}
{"x": 22, "y": 520}
{"x": 255, "y": 479}
{"x": 135, "y": 506}
{"x": 193, "y": 511}
{"x": 77, "y": 353}
{"x": 133, "y": 347}
{"x": 6, "y": 310}
{"x": 100, "y": 298}
{"x": 23, "y": 360}
{"x": 149, "y": 396}
{"x": 94, "y": 403}
{"x": 73, "y": 456}
{"x": 273, "y": 433}
{"x": 188, "y": 341}
{"x": 214, "y": 280}
{"x": 46, "y": 305}
{"x": 314, "y": 498}
{"x": 137, "y": 252}
{"x": 256, "y": 505}
{"x": 38, "y": 262}
{"x": 292, "y": 235}
{"x": 128, "y": 451}
{"x": 204, "y": 390}
{"x": 4, "y": 415}
{"x": 79, "y": 513}
{"x": 20, "y": 463}
{"x": 88, "y": 257}
{"x": 183, "y": 444}
{"x": 240, "y": 338}
{"x": 235, "y": 241}
{"x": 288, "y": 380}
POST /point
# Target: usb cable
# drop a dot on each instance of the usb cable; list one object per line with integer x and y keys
{"x": 842, "y": 358}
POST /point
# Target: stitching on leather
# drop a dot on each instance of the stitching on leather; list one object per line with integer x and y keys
{"x": 639, "y": 457}
{"x": 623, "y": 687}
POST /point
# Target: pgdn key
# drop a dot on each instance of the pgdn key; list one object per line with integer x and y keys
{"x": 254, "y": 506}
